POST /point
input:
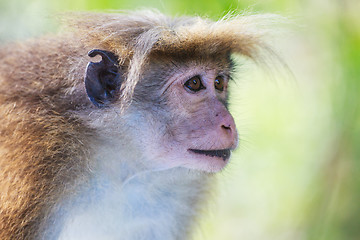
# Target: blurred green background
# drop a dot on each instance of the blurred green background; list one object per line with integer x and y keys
{"x": 296, "y": 174}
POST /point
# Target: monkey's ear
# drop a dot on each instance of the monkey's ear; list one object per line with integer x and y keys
{"x": 102, "y": 79}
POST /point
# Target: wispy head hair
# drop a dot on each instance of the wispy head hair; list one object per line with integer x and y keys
{"x": 136, "y": 36}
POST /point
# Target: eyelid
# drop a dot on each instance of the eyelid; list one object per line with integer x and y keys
{"x": 225, "y": 76}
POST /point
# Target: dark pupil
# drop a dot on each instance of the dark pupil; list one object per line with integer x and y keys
{"x": 219, "y": 84}
{"x": 194, "y": 84}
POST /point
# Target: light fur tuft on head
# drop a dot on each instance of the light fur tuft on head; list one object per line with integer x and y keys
{"x": 136, "y": 36}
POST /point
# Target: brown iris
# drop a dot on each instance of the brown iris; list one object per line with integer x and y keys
{"x": 194, "y": 84}
{"x": 219, "y": 83}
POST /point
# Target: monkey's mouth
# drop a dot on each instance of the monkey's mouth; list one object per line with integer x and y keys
{"x": 221, "y": 153}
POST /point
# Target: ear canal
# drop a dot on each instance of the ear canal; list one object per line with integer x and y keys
{"x": 102, "y": 79}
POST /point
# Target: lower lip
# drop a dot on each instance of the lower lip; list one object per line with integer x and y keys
{"x": 221, "y": 153}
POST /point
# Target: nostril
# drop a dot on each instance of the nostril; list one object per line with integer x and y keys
{"x": 226, "y": 123}
{"x": 227, "y": 127}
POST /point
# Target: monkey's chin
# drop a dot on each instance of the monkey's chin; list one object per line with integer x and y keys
{"x": 209, "y": 160}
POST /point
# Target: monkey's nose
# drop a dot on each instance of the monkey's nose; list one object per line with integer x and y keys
{"x": 228, "y": 126}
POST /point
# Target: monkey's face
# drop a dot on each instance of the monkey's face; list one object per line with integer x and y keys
{"x": 187, "y": 120}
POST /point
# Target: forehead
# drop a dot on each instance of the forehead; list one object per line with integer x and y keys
{"x": 167, "y": 65}
{"x": 189, "y": 56}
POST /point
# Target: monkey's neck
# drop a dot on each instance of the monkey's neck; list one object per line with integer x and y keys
{"x": 141, "y": 204}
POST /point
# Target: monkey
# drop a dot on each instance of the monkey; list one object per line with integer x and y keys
{"x": 114, "y": 127}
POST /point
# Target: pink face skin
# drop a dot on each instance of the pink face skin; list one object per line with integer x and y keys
{"x": 202, "y": 130}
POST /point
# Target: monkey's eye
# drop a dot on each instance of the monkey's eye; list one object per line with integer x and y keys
{"x": 219, "y": 83}
{"x": 194, "y": 84}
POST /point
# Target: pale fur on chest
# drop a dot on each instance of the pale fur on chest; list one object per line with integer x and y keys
{"x": 125, "y": 201}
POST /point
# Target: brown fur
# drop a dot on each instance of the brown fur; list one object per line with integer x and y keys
{"x": 44, "y": 146}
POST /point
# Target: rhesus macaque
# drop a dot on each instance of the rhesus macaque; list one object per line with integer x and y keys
{"x": 110, "y": 129}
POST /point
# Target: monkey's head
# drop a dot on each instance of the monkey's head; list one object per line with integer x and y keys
{"x": 165, "y": 83}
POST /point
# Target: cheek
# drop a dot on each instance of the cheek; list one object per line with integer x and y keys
{"x": 194, "y": 127}
{"x": 192, "y": 119}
